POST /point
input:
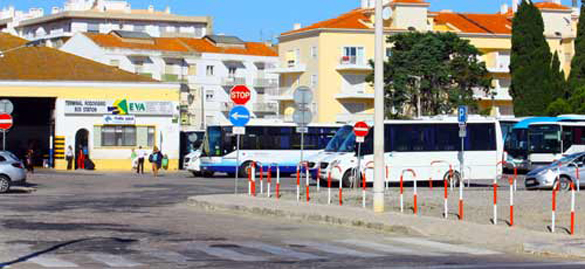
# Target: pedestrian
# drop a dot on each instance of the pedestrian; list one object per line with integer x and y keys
{"x": 80, "y": 159}
{"x": 29, "y": 161}
{"x": 69, "y": 157}
{"x": 156, "y": 160}
{"x": 141, "y": 154}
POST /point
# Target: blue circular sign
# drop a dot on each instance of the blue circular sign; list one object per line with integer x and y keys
{"x": 239, "y": 116}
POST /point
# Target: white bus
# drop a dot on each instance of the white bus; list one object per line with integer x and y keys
{"x": 264, "y": 143}
{"x": 549, "y": 141}
{"x": 331, "y": 150}
{"x": 415, "y": 144}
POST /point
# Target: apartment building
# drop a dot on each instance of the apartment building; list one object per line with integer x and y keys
{"x": 332, "y": 56}
{"x": 207, "y": 68}
{"x": 99, "y": 16}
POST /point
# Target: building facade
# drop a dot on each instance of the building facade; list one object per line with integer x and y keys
{"x": 206, "y": 68}
{"x": 99, "y": 16}
{"x": 332, "y": 56}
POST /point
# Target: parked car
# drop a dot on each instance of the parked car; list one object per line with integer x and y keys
{"x": 12, "y": 171}
{"x": 563, "y": 172}
{"x": 191, "y": 162}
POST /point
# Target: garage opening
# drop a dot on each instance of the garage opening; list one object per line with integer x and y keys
{"x": 32, "y": 129}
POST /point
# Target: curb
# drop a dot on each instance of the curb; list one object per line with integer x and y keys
{"x": 547, "y": 248}
{"x": 319, "y": 218}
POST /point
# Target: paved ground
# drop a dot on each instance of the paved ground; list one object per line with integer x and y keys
{"x": 93, "y": 220}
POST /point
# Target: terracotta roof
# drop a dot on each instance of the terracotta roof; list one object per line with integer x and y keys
{"x": 551, "y": 5}
{"x": 476, "y": 23}
{"x": 350, "y": 20}
{"x": 180, "y": 44}
{"x": 43, "y": 63}
{"x": 410, "y": 1}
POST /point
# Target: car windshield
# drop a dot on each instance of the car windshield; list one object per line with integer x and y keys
{"x": 349, "y": 144}
{"x": 544, "y": 139}
{"x": 337, "y": 141}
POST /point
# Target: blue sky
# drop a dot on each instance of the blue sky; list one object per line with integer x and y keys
{"x": 249, "y": 18}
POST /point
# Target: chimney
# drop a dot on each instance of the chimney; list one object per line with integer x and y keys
{"x": 504, "y": 8}
{"x": 168, "y": 10}
{"x": 296, "y": 26}
{"x": 151, "y": 9}
{"x": 514, "y": 6}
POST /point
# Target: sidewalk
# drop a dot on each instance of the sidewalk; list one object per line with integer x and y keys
{"x": 500, "y": 238}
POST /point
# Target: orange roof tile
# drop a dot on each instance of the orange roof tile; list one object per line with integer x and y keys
{"x": 551, "y": 5}
{"x": 476, "y": 23}
{"x": 251, "y": 48}
{"x": 110, "y": 40}
{"x": 350, "y": 20}
{"x": 458, "y": 21}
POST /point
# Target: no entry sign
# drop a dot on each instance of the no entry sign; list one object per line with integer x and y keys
{"x": 240, "y": 94}
{"x": 361, "y": 129}
{"x": 5, "y": 121}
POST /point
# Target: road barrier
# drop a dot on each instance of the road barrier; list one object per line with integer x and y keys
{"x": 495, "y": 186}
{"x": 369, "y": 165}
{"x": 402, "y": 189}
{"x": 277, "y": 181}
{"x": 252, "y": 179}
{"x": 572, "y": 208}
{"x": 340, "y": 185}
{"x": 261, "y": 177}
{"x": 307, "y": 180}
{"x": 318, "y": 178}
{"x": 512, "y": 186}
{"x": 299, "y": 182}
{"x": 268, "y": 181}
{"x": 431, "y": 172}
{"x": 554, "y": 206}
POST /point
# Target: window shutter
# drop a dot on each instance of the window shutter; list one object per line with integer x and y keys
{"x": 97, "y": 136}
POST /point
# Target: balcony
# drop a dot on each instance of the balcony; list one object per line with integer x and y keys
{"x": 499, "y": 69}
{"x": 353, "y": 94}
{"x": 271, "y": 108}
{"x": 348, "y": 118}
{"x": 289, "y": 67}
{"x": 265, "y": 83}
{"x": 232, "y": 81}
{"x": 353, "y": 63}
{"x": 282, "y": 93}
{"x": 174, "y": 78}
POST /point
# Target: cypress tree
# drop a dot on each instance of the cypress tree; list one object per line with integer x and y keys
{"x": 558, "y": 82}
{"x": 577, "y": 75}
{"x": 530, "y": 64}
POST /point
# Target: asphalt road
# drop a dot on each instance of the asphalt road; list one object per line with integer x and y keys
{"x": 95, "y": 220}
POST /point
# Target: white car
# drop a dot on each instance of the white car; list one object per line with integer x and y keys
{"x": 12, "y": 171}
{"x": 192, "y": 162}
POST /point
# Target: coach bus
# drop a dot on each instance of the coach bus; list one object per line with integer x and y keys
{"x": 550, "y": 141}
{"x": 263, "y": 143}
{"x": 415, "y": 144}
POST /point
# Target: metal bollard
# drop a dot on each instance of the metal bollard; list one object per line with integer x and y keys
{"x": 329, "y": 186}
{"x": 298, "y": 183}
{"x": 387, "y": 178}
{"x": 554, "y": 208}
{"x": 261, "y": 179}
{"x": 249, "y": 181}
{"x": 277, "y": 182}
{"x": 402, "y": 193}
{"x": 340, "y": 186}
{"x": 496, "y": 200}
{"x": 461, "y": 183}
{"x": 446, "y": 208}
{"x": 307, "y": 179}
{"x": 268, "y": 181}
{"x": 415, "y": 197}
{"x": 319, "y": 178}
{"x": 512, "y": 183}
{"x": 364, "y": 189}
{"x": 572, "y": 208}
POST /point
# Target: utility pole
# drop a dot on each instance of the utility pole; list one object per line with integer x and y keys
{"x": 379, "y": 111}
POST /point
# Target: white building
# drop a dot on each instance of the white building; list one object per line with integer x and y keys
{"x": 99, "y": 16}
{"x": 206, "y": 67}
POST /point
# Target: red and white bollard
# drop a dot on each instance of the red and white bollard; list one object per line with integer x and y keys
{"x": 329, "y": 186}
{"x": 554, "y": 207}
{"x": 402, "y": 193}
{"x": 572, "y": 208}
{"x": 318, "y": 178}
{"x": 512, "y": 186}
{"x": 461, "y": 183}
{"x": 268, "y": 181}
{"x": 402, "y": 189}
{"x": 340, "y": 186}
{"x": 446, "y": 208}
{"x": 387, "y": 177}
{"x": 298, "y": 183}
{"x": 307, "y": 180}
{"x": 364, "y": 189}
{"x": 277, "y": 181}
{"x": 415, "y": 197}
{"x": 252, "y": 179}
{"x": 261, "y": 178}
{"x": 495, "y": 186}
{"x": 249, "y": 181}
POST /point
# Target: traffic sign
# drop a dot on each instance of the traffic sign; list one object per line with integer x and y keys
{"x": 462, "y": 131}
{"x": 361, "y": 129}
{"x": 240, "y": 94}
{"x": 462, "y": 115}
{"x": 6, "y": 106}
{"x": 302, "y": 97}
{"x": 239, "y": 130}
{"x": 239, "y": 116}
{"x": 302, "y": 117}
{"x": 5, "y": 121}
{"x": 303, "y": 130}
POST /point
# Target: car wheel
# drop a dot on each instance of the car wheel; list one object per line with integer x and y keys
{"x": 564, "y": 183}
{"x": 4, "y": 184}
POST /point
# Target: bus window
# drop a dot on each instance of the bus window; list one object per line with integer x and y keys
{"x": 480, "y": 137}
{"x": 213, "y": 143}
{"x": 544, "y": 139}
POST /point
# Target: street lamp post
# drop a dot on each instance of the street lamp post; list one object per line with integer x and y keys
{"x": 379, "y": 111}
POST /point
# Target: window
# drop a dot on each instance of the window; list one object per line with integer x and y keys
{"x": 314, "y": 81}
{"x": 353, "y": 55}
{"x": 118, "y": 136}
{"x": 192, "y": 70}
{"x": 209, "y": 95}
{"x": 139, "y": 28}
{"x": 232, "y": 71}
{"x": 2, "y": 159}
{"x": 170, "y": 68}
{"x": 209, "y": 70}
{"x": 314, "y": 52}
{"x": 150, "y": 137}
{"x": 93, "y": 28}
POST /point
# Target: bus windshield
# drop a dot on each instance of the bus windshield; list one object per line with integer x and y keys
{"x": 544, "y": 139}
{"x": 337, "y": 141}
{"x": 212, "y": 143}
{"x": 349, "y": 144}
{"x": 517, "y": 143}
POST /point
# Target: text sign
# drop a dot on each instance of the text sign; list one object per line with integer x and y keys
{"x": 462, "y": 115}
{"x": 240, "y": 94}
{"x": 117, "y": 107}
{"x": 239, "y": 116}
{"x": 5, "y": 121}
{"x": 120, "y": 119}
{"x": 239, "y": 130}
{"x": 361, "y": 129}
{"x": 462, "y": 131}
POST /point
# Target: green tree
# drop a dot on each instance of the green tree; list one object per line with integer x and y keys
{"x": 558, "y": 107}
{"x": 577, "y": 101}
{"x": 577, "y": 75}
{"x": 439, "y": 68}
{"x": 530, "y": 65}
{"x": 557, "y": 78}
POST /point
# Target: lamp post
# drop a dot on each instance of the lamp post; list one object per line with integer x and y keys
{"x": 379, "y": 110}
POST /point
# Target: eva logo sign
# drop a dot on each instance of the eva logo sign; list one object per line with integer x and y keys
{"x": 119, "y": 107}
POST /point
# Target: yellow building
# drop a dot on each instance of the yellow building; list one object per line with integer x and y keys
{"x": 332, "y": 56}
{"x": 62, "y": 100}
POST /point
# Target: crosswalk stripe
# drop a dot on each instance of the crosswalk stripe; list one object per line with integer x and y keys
{"x": 166, "y": 255}
{"x": 387, "y": 248}
{"x": 334, "y": 249}
{"x": 113, "y": 260}
{"x": 280, "y": 251}
{"x": 444, "y": 246}
{"x": 224, "y": 253}
{"x": 51, "y": 262}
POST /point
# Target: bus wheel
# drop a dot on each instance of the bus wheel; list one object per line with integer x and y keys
{"x": 565, "y": 183}
{"x": 243, "y": 171}
{"x": 456, "y": 178}
{"x": 207, "y": 174}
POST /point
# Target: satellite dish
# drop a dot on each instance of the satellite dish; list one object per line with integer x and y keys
{"x": 386, "y": 13}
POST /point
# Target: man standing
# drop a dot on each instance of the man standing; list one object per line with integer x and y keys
{"x": 141, "y": 155}
{"x": 69, "y": 156}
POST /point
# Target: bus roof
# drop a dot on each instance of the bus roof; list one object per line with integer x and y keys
{"x": 562, "y": 118}
{"x": 561, "y": 123}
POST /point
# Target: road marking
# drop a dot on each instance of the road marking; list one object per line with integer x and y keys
{"x": 166, "y": 255}
{"x": 334, "y": 249}
{"x": 280, "y": 251}
{"x": 51, "y": 262}
{"x": 444, "y": 246}
{"x": 113, "y": 260}
{"x": 224, "y": 253}
{"x": 388, "y": 248}
{"x": 501, "y": 265}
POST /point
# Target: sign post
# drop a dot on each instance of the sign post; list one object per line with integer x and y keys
{"x": 239, "y": 117}
{"x": 462, "y": 118}
{"x": 302, "y": 115}
{"x": 361, "y": 130}
{"x": 5, "y": 124}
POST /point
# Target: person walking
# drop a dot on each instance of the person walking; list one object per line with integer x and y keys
{"x": 156, "y": 160}
{"x": 69, "y": 157}
{"x": 29, "y": 161}
{"x": 141, "y": 154}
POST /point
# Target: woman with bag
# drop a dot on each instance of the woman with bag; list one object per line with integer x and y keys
{"x": 156, "y": 160}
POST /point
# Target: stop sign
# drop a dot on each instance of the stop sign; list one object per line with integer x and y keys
{"x": 5, "y": 121}
{"x": 240, "y": 94}
{"x": 361, "y": 129}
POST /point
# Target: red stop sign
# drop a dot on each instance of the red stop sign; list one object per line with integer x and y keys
{"x": 240, "y": 94}
{"x": 5, "y": 121}
{"x": 361, "y": 129}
